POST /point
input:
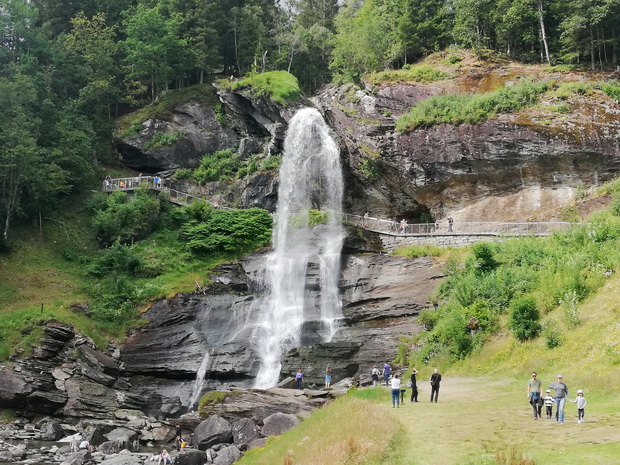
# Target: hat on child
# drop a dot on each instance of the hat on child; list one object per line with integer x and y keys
{"x": 579, "y": 391}
{"x": 548, "y": 390}
{"x": 560, "y": 376}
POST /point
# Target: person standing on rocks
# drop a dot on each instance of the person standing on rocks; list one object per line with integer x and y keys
{"x": 414, "y": 386}
{"x": 328, "y": 377}
{"x": 534, "y": 394}
{"x": 178, "y": 433}
{"x": 435, "y": 381}
{"x": 387, "y": 369}
{"x": 299, "y": 379}
{"x": 561, "y": 393}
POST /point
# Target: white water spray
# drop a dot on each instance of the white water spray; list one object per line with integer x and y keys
{"x": 310, "y": 178}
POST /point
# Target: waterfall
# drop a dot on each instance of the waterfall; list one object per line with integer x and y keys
{"x": 200, "y": 379}
{"x": 310, "y": 178}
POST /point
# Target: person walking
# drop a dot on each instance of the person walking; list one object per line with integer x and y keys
{"x": 549, "y": 400}
{"x": 580, "y": 400}
{"x": 435, "y": 382}
{"x": 387, "y": 369}
{"x": 299, "y": 377}
{"x": 414, "y": 386}
{"x": 561, "y": 393}
{"x": 396, "y": 391}
{"x": 534, "y": 394}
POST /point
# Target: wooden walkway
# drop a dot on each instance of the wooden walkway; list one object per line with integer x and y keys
{"x": 380, "y": 225}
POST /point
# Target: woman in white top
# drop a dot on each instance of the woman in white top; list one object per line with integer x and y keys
{"x": 396, "y": 391}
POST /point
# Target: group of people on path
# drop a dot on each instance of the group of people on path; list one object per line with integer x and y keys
{"x": 537, "y": 400}
{"x": 394, "y": 381}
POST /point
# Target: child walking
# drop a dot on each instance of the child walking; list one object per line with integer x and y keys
{"x": 549, "y": 401}
{"x": 580, "y": 400}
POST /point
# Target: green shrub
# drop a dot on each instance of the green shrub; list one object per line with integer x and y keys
{"x": 116, "y": 259}
{"x": 218, "y": 166}
{"x": 484, "y": 259}
{"x": 183, "y": 173}
{"x": 470, "y": 108}
{"x": 428, "y": 318}
{"x": 162, "y": 139}
{"x": 229, "y": 231}
{"x": 612, "y": 89}
{"x": 552, "y": 335}
{"x": 368, "y": 169}
{"x": 415, "y": 251}
{"x": 271, "y": 163}
{"x": 524, "y": 318}
{"x": 126, "y": 219}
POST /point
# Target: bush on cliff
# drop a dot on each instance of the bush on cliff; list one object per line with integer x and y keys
{"x": 280, "y": 86}
{"x": 470, "y": 108}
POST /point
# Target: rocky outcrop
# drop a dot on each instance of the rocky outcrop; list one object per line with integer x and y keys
{"x": 214, "y": 430}
{"x": 447, "y": 170}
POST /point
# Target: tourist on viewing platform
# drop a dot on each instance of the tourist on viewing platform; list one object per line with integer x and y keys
{"x": 387, "y": 369}
{"x": 299, "y": 377}
{"x": 436, "y": 226}
{"x": 157, "y": 181}
{"x": 435, "y": 382}
{"x": 396, "y": 391}
{"x": 450, "y": 223}
{"x": 403, "y": 226}
{"x": 365, "y": 220}
{"x": 534, "y": 394}
{"x": 561, "y": 393}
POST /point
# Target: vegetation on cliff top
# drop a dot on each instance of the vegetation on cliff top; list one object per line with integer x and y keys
{"x": 280, "y": 86}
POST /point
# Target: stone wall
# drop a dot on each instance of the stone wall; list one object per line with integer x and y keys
{"x": 392, "y": 242}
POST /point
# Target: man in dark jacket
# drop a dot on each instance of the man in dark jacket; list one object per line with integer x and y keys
{"x": 435, "y": 380}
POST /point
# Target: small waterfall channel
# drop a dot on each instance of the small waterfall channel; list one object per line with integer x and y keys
{"x": 310, "y": 181}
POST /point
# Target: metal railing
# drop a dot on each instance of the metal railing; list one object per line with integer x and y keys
{"x": 156, "y": 184}
{"x": 530, "y": 228}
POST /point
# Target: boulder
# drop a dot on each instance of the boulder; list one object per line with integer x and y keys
{"x": 52, "y": 431}
{"x": 126, "y": 436}
{"x": 77, "y": 458}
{"x": 13, "y": 388}
{"x": 125, "y": 459}
{"x": 98, "y": 376}
{"x": 188, "y": 457}
{"x": 163, "y": 433}
{"x": 227, "y": 456}
{"x": 213, "y": 430}
{"x": 244, "y": 431}
{"x": 94, "y": 436}
{"x": 6, "y": 456}
{"x": 110, "y": 447}
{"x": 89, "y": 400}
{"x": 278, "y": 423}
{"x": 59, "y": 331}
{"x": 100, "y": 361}
{"x": 46, "y": 401}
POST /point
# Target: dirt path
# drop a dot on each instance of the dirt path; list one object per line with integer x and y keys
{"x": 475, "y": 417}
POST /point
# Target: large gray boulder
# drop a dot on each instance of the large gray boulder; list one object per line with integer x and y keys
{"x": 110, "y": 447}
{"x": 214, "y": 430}
{"x": 13, "y": 388}
{"x": 188, "y": 457}
{"x": 77, "y": 458}
{"x": 52, "y": 431}
{"x": 227, "y": 456}
{"x": 278, "y": 423}
{"x": 127, "y": 437}
{"x": 125, "y": 459}
{"x": 244, "y": 431}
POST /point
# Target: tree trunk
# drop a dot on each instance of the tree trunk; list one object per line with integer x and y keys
{"x": 613, "y": 46}
{"x": 202, "y": 76}
{"x": 543, "y": 34}
{"x": 591, "y": 49}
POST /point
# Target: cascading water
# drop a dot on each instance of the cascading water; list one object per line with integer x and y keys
{"x": 310, "y": 179}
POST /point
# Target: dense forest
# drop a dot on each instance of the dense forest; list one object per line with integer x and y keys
{"x": 67, "y": 69}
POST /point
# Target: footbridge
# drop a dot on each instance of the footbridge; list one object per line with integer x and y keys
{"x": 393, "y": 233}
